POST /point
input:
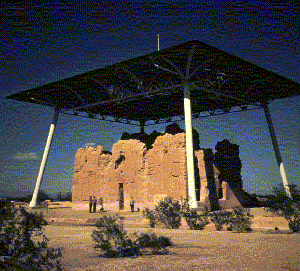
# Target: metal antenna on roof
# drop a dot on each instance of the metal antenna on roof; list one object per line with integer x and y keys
{"x": 158, "y": 42}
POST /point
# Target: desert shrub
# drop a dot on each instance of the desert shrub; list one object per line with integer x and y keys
{"x": 294, "y": 220}
{"x": 195, "y": 221}
{"x": 18, "y": 250}
{"x": 167, "y": 212}
{"x": 112, "y": 238}
{"x": 240, "y": 219}
{"x": 289, "y": 208}
{"x": 150, "y": 214}
{"x": 220, "y": 218}
{"x": 153, "y": 242}
{"x": 280, "y": 193}
{"x": 115, "y": 242}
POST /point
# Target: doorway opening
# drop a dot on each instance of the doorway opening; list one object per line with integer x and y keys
{"x": 121, "y": 196}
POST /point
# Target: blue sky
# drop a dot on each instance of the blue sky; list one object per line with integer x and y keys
{"x": 43, "y": 43}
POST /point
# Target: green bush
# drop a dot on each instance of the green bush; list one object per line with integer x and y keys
{"x": 157, "y": 245}
{"x": 167, "y": 212}
{"x": 240, "y": 219}
{"x": 195, "y": 221}
{"x": 220, "y": 218}
{"x": 294, "y": 221}
{"x": 18, "y": 251}
{"x": 150, "y": 214}
{"x": 115, "y": 242}
{"x": 112, "y": 238}
{"x": 289, "y": 208}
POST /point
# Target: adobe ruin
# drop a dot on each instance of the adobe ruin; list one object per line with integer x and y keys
{"x": 148, "y": 168}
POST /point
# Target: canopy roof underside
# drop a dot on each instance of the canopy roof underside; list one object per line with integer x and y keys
{"x": 149, "y": 89}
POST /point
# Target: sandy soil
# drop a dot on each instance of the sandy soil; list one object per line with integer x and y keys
{"x": 192, "y": 250}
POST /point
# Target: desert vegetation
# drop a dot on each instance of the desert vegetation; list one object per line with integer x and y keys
{"x": 220, "y": 219}
{"x": 18, "y": 249}
{"x": 288, "y": 207}
{"x": 169, "y": 212}
{"x": 114, "y": 241}
{"x": 195, "y": 220}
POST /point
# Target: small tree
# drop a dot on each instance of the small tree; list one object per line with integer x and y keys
{"x": 287, "y": 207}
{"x": 280, "y": 192}
{"x": 167, "y": 212}
{"x": 240, "y": 219}
{"x": 18, "y": 251}
{"x": 220, "y": 218}
{"x": 195, "y": 220}
{"x": 68, "y": 196}
{"x": 42, "y": 196}
{"x": 58, "y": 196}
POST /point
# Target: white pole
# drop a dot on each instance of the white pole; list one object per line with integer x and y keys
{"x": 277, "y": 152}
{"x": 44, "y": 160}
{"x": 158, "y": 42}
{"x": 189, "y": 146}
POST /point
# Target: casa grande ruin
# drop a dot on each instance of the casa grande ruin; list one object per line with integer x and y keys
{"x": 179, "y": 83}
{"x": 150, "y": 167}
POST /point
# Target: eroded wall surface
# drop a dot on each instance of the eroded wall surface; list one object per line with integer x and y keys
{"x": 147, "y": 173}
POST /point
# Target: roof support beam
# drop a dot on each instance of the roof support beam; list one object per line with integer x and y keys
{"x": 134, "y": 78}
{"x": 180, "y": 73}
{"x": 189, "y": 146}
{"x": 142, "y": 124}
{"x": 220, "y": 94}
{"x": 74, "y": 92}
{"x": 189, "y": 62}
{"x": 276, "y": 150}
{"x": 165, "y": 69}
{"x": 44, "y": 160}
{"x": 202, "y": 66}
{"x": 99, "y": 83}
{"x": 125, "y": 99}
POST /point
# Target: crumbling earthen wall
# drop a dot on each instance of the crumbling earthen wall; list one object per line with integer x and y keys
{"x": 165, "y": 167}
{"x": 91, "y": 172}
{"x": 146, "y": 175}
{"x": 146, "y": 172}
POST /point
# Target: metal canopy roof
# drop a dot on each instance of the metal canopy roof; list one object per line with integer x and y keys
{"x": 149, "y": 89}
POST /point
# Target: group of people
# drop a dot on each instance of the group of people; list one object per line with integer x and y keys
{"x": 93, "y": 204}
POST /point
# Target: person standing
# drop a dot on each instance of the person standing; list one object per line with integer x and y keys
{"x": 91, "y": 203}
{"x": 101, "y": 204}
{"x": 94, "y": 204}
{"x": 132, "y": 204}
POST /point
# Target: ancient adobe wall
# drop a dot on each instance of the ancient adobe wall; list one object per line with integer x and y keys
{"x": 147, "y": 173}
{"x": 165, "y": 166}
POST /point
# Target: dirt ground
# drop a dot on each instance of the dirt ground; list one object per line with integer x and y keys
{"x": 192, "y": 250}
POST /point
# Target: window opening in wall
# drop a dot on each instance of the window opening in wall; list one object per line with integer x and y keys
{"x": 119, "y": 161}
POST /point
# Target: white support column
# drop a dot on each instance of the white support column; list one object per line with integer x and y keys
{"x": 44, "y": 160}
{"x": 189, "y": 146}
{"x": 276, "y": 150}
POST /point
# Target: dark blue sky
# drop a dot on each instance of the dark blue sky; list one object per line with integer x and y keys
{"x": 42, "y": 43}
